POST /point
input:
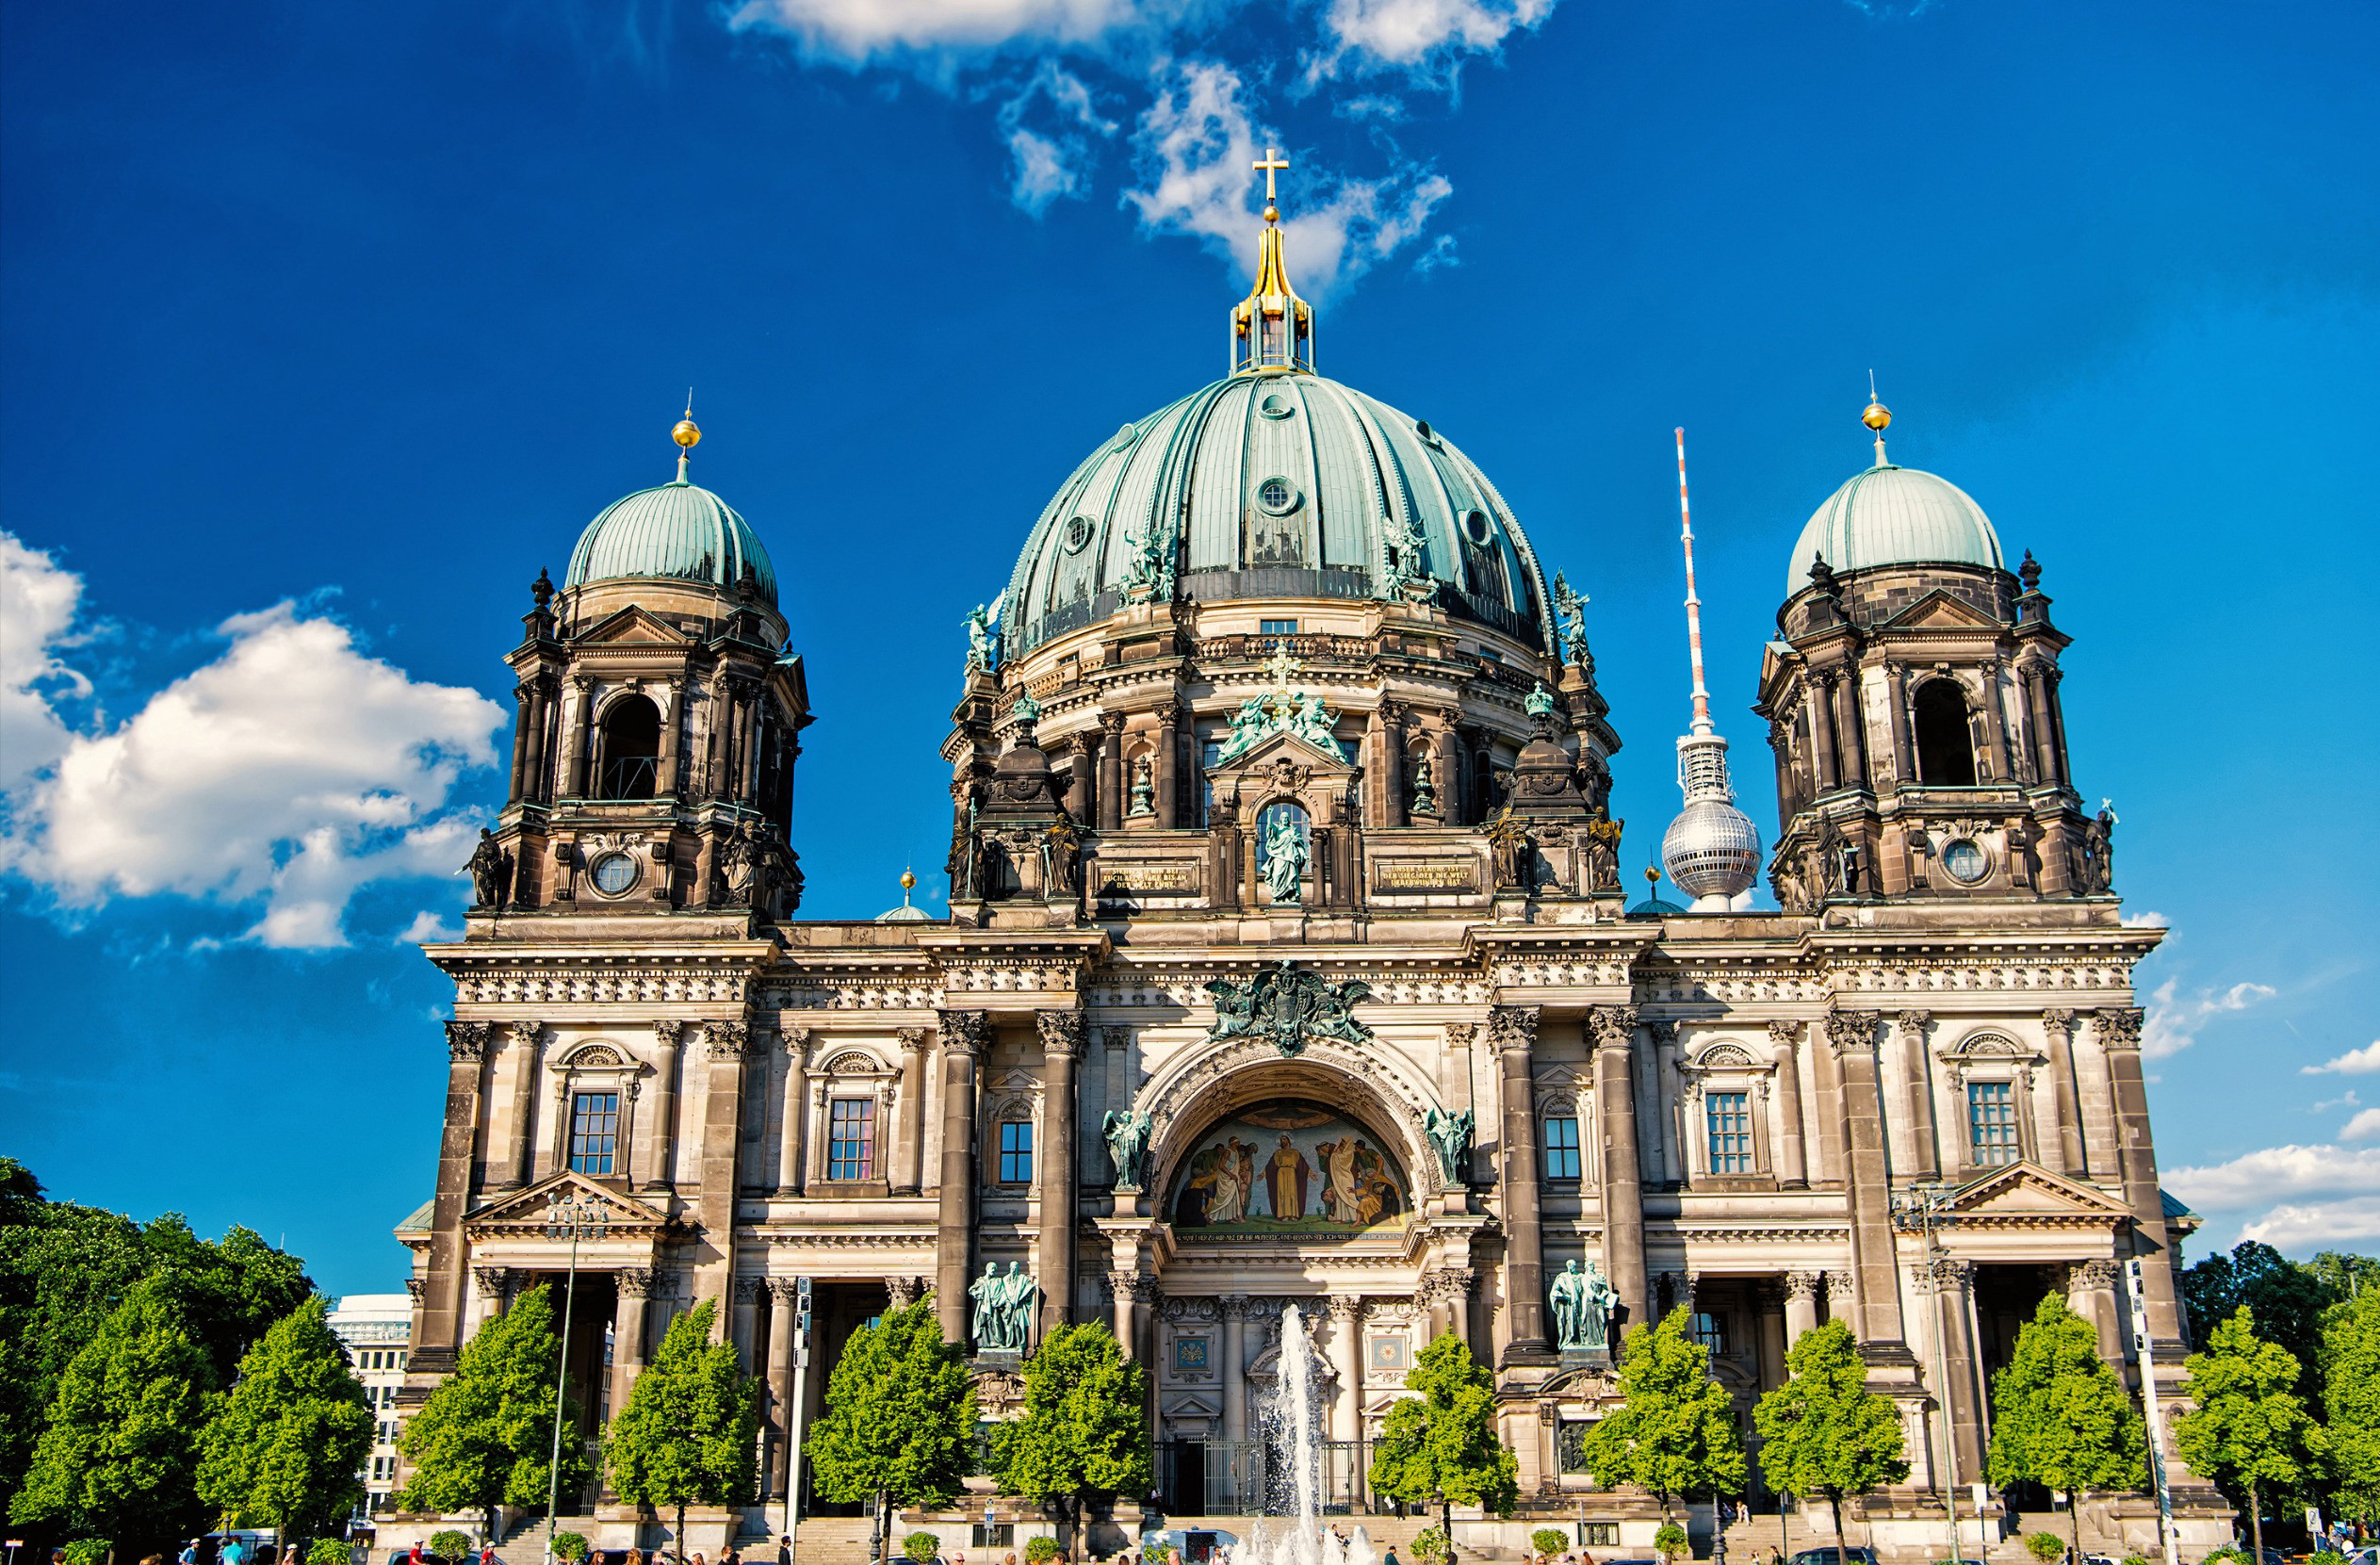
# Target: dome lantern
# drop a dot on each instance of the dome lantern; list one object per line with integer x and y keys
{"x": 1272, "y": 328}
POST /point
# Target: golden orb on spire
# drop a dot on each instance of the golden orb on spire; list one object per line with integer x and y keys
{"x": 909, "y": 881}
{"x": 686, "y": 434}
{"x": 1876, "y": 415}
{"x": 1272, "y": 213}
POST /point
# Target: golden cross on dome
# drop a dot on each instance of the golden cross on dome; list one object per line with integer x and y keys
{"x": 1271, "y": 163}
{"x": 1281, "y": 665}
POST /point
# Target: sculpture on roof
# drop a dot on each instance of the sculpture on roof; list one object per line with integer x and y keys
{"x": 980, "y": 650}
{"x": 491, "y": 871}
{"x": 1570, "y": 607}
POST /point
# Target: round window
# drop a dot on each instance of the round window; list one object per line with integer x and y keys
{"x": 1278, "y": 495}
{"x": 1965, "y": 860}
{"x": 1275, "y": 405}
{"x": 1477, "y": 528}
{"x": 613, "y": 874}
{"x": 1078, "y": 534}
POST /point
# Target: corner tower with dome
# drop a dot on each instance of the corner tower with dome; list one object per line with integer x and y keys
{"x": 1286, "y": 987}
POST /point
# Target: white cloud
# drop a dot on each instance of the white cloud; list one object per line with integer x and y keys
{"x": 856, "y": 31}
{"x": 2277, "y": 1173}
{"x": 1420, "y": 35}
{"x": 37, "y": 603}
{"x": 2145, "y": 920}
{"x": 2173, "y": 1022}
{"x": 2363, "y": 1126}
{"x": 1055, "y": 160}
{"x": 2322, "y": 1225}
{"x": 1195, "y": 144}
{"x": 290, "y": 771}
{"x": 427, "y": 926}
{"x": 2356, "y": 1062}
{"x": 2346, "y": 1100}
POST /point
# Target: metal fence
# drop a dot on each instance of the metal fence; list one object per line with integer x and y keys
{"x": 1252, "y": 1477}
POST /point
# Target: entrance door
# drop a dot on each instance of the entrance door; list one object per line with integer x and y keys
{"x": 1184, "y": 1486}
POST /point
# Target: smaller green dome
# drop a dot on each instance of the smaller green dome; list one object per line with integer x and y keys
{"x": 676, "y": 532}
{"x": 1891, "y": 515}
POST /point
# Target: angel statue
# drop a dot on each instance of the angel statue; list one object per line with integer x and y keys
{"x": 1570, "y": 607}
{"x": 979, "y": 639}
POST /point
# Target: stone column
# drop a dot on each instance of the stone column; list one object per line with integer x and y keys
{"x": 627, "y": 1333}
{"x": 1994, "y": 722}
{"x": 1393, "y": 764}
{"x": 2059, "y": 1027}
{"x": 783, "y": 1302}
{"x": 491, "y": 1290}
{"x": 1896, "y": 696}
{"x": 964, "y": 1036}
{"x": 1951, "y": 1282}
{"x": 577, "y": 715}
{"x": 1119, "y": 1303}
{"x": 2119, "y": 1034}
{"x": 665, "y": 766}
{"x": 1910, "y": 1028}
{"x": 1513, "y": 1029}
{"x": 727, "y": 1044}
{"x": 1611, "y": 1031}
{"x": 1168, "y": 758}
{"x": 1851, "y": 1037}
{"x": 2091, "y": 1294}
{"x": 1819, "y": 704}
{"x": 1669, "y": 1093}
{"x": 523, "y": 715}
{"x": 750, "y": 1350}
{"x": 1111, "y": 785}
{"x": 1793, "y": 1170}
{"x": 1234, "y": 1308}
{"x": 438, "y": 1327}
{"x": 518, "y": 1154}
{"x": 1456, "y": 1283}
{"x": 1346, "y": 1359}
{"x": 1767, "y": 1302}
{"x": 908, "y": 1150}
{"x": 666, "y": 1035}
{"x": 2037, "y": 710}
{"x": 1800, "y": 1305}
{"x": 1441, "y": 750}
{"x": 794, "y": 1137}
{"x": 1850, "y": 730}
{"x": 1061, "y": 1050}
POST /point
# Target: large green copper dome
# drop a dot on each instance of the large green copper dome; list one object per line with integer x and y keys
{"x": 676, "y": 532}
{"x": 1277, "y": 484}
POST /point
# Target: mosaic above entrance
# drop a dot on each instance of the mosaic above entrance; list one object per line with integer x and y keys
{"x": 1292, "y": 1169}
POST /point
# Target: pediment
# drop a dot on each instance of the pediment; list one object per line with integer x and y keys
{"x": 1192, "y": 1404}
{"x": 523, "y": 1212}
{"x": 633, "y": 626}
{"x": 2026, "y": 1194}
{"x": 1286, "y": 744}
{"x": 1942, "y": 611}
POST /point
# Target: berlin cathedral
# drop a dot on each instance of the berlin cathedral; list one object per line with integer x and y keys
{"x": 1288, "y": 963}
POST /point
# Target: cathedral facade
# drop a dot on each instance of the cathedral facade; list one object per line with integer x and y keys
{"x": 1289, "y": 982}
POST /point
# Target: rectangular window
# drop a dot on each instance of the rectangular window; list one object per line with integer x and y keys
{"x": 1727, "y": 1117}
{"x": 1277, "y": 627}
{"x": 1209, "y": 752}
{"x": 1711, "y": 1331}
{"x": 594, "y": 1132}
{"x": 1016, "y": 1153}
{"x": 850, "y": 1138}
{"x": 1598, "y": 1534}
{"x": 1991, "y": 1123}
{"x": 1561, "y": 1148}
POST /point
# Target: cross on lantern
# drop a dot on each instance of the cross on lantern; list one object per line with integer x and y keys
{"x": 1272, "y": 162}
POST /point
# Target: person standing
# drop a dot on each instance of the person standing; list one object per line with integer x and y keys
{"x": 785, "y": 1551}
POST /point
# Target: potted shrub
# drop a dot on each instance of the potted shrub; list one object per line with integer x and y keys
{"x": 920, "y": 1547}
{"x": 1038, "y": 1550}
{"x": 1670, "y": 1542}
{"x": 1548, "y": 1541}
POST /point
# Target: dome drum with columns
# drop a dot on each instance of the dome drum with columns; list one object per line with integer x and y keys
{"x": 1283, "y": 968}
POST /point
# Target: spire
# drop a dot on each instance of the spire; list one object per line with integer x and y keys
{"x": 686, "y": 434}
{"x": 1876, "y": 416}
{"x": 1712, "y": 850}
{"x": 1272, "y": 328}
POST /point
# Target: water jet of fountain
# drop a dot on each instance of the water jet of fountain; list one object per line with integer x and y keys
{"x": 1294, "y": 1418}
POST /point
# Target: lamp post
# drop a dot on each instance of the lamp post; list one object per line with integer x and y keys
{"x": 566, "y": 1218}
{"x": 1919, "y": 1212}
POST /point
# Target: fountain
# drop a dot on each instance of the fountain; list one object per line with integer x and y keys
{"x": 1295, "y": 1423}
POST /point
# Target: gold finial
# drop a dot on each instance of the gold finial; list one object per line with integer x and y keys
{"x": 1271, "y": 163}
{"x": 1652, "y": 875}
{"x": 909, "y": 884}
{"x": 687, "y": 433}
{"x": 1876, "y": 416}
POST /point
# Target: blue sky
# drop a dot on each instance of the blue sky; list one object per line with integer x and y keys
{"x": 326, "y": 327}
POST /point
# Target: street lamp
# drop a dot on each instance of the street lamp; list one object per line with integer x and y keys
{"x": 583, "y": 1218}
{"x": 1919, "y": 1212}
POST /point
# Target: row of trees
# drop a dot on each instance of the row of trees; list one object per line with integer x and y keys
{"x": 152, "y": 1382}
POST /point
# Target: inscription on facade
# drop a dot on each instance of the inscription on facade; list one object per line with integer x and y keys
{"x": 1180, "y": 878}
{"x": 1423, "y": 874}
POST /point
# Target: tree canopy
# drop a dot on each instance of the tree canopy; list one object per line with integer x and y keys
{"x": 2287, "y": 1300}
{"x": 2351, "y": 1381}
{"x": 1439, "y": 1446}
{"x": 900, "y": 1418}
{"x": 118, "y": 1458}
{"x": 686, "y": 1436}
{"x": 2061, "y": 1414}
{"x": 2248, "y": 1431}
{"x": 484, "y": 1436}
{"x": 1823, "y": 1431}
{"x": 1083, "y": 1431}
{"x": 1674, "y": 1433}
{"x": 292, "y": 1435}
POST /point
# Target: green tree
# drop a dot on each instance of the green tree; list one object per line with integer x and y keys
{"x": 294, "y": 1431}
{"x": 1548, "y": 1540}
{"x": 899, "y": 1422}
{"x": 2248, "y": 1431}
{"x": 2350, "y": 1388}
{"x": 920, "y": 1547}
{"x": 2286, "y": 1298}
{"x": 686, "y": 1436}
{"x": 1440, "y": 1445}
{"x": 119, "y": 1453}
{"x": 484, "y": 1438}
{"x": 1675, "y": 1430}
{"x": 1084, "y": 1431}
{"x": 2060, "y": 1416}
{"x": 1823, "y": 1431}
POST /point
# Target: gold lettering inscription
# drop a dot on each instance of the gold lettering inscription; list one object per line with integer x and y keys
{"x": 1425, "y": 876}
{"x": 1152, "y": 877}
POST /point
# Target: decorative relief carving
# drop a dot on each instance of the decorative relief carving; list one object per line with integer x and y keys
{"x": 1287, "y": 1005}
{"x": 1850, "y": 1031}
{"x": 1061, "y": 1031}
{"x": 469, "y": 1040}
{"x": 1612, "y": 1026}
{"x": 853, "y": 1062}
{"x": 964, "y": 1032}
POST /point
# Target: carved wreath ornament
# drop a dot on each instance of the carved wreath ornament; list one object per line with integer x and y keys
{"x": 1286, "y": 1006}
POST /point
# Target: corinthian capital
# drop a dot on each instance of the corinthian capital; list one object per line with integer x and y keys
{"x": 2059, "y": 1022}
{"x": 1612, "y": 1026}
{"x": 524, "y": 1034}
{"x": 728, "y": 1040}
{"x": 964, "y": 1032}
{"x": 1784, "y": 1035}
{"x": 2120, "y": 1029}
{"x": 469, "y": 1040}
{"x": 1850, "y": 1031}
{"x": 1061, "y": 1031}
{"x": 1513, "y": 1028}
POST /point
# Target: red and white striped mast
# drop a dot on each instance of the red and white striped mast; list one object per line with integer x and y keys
{"x": 1712, "y": 850}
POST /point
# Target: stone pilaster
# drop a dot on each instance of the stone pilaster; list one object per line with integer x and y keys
{"x": 2074, "y": 1157}
{"x": 725, "y": 1045}
{"x": 666, "y": 1036}
{"x": 439, "y": 1324}
{"x": 514, "y": 1162}
{"x": 964, "y": 1034}
{"x": 1061, "y": 1052}
{"x": 1851, "y": 1037}
{"x": 1611, "y": 1031}
{"x": 1513, "y": 1029}
{"x": 1793, "y": 1168}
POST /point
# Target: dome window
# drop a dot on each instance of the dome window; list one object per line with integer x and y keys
{"x": 1477, "y": 528}
{"x": 613, "y": 874}
{"x": 1278, "y": 495}
{"x": 1275, "y": 405}
{"x": 1078, "y": 534}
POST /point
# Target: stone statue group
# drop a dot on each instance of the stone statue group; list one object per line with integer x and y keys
{"x": 1582, "y": 1302}
{"x": 1003, "y": 1308}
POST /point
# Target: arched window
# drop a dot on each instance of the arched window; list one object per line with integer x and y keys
{"x": 632, "y": 749}
{"x": 1945, "y": 753}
